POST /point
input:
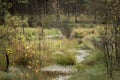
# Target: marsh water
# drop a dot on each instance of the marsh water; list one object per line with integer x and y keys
{"x": 65, "y": 72}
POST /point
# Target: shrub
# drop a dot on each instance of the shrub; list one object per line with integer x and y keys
{"x": 22, "y": 54}
{"x": 88, "y": 42}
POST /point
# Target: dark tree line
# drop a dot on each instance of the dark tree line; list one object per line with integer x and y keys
{"x": 46, "y": 7}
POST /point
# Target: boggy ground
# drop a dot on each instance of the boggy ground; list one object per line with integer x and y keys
{"x": 35, "y": 57}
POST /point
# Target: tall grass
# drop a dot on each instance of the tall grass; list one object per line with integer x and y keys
{"x": 65, "y": 58}
{"x": 90, "y": 74}
{"x": 93, "y": 68}
{"x": 24, "y": 74}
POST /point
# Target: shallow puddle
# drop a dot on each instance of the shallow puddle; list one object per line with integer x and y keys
{"x": 65, "y": 72}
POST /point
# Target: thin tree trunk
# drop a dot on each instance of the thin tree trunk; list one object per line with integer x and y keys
{"x": 76, "y": 15}
{"x": 7, "y": 61}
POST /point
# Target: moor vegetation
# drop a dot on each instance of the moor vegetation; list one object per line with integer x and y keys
{"x": 35, "y": 34}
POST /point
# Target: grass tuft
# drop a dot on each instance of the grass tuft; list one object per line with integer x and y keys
{"x": 65, "y": 58}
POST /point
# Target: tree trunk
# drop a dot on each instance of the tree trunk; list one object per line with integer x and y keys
{"x": 7, "y": 61}
{"x": 76, "y": 15}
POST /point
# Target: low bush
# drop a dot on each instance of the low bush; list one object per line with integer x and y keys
{"x": 22, "y": 54}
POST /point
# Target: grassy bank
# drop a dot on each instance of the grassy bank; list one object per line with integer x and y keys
{"x": 93, "y": 68}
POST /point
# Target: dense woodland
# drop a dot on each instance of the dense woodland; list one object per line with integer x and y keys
{"x": 38, "y": 33}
